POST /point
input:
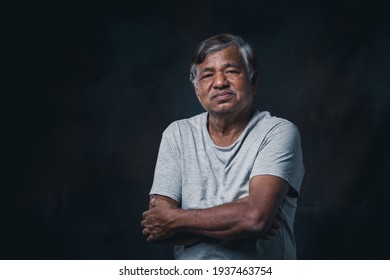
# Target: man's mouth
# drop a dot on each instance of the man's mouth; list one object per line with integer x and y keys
{"x": 223, "y": 95}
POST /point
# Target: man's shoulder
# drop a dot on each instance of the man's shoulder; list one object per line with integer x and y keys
{"x": 272, "y": 127}
{"x": 265, "y": 119}
{"x": 186, "y": 125}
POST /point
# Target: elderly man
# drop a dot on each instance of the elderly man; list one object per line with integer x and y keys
{"x": 226, "y": 181}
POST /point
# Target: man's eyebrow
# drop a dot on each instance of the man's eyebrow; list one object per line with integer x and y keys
{"x": 207, "y": 69}
{"x": 227, "y": 65}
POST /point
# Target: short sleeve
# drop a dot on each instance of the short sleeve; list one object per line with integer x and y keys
{"x": 167, "y": 179}
{"x": 281, "y": 155}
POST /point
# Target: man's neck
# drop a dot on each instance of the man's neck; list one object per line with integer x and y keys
{"x": 224, "y": 129}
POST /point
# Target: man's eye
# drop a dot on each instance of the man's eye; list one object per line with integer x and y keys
{"x": 232, "y": 72}
{"x": 206, "y": 76}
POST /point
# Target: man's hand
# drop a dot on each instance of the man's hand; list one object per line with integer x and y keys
{"x": 156, "y": 222}
{"x": 274, "y": 228}
{"x": 165, "y": 204}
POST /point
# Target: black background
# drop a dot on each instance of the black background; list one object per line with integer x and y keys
{"x": 89, "y": 88}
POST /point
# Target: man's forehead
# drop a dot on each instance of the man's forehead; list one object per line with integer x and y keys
{"x": 227, "y": 57}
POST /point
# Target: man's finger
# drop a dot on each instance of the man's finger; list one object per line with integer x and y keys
{"x": 146, "y": 231}
{"x": 151, "y": 237}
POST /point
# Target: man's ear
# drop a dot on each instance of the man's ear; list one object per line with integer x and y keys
{"x": 255, "y": 80}
{"x": 196, "y": 90}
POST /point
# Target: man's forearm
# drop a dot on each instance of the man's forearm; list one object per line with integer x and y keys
{"x": 232, "y": 220}
{"x": 237, "y": 219}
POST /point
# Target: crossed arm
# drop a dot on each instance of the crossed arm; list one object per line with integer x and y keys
{"x": 253, "y": 216}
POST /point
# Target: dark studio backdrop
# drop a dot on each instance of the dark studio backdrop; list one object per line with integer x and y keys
{"x": 95, "y": 85}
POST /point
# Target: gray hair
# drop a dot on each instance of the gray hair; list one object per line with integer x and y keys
{"x": 217, "y": 43}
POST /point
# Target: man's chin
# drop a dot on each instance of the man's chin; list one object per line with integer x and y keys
{"x": 225, "y": 109}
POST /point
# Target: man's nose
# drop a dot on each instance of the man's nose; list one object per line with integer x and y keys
{"x": 220, "y": 80}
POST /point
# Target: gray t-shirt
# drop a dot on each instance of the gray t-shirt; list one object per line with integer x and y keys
{"x": 197, "y": 173}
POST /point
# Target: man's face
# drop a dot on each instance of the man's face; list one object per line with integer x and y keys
{"x": 223, "y": 84}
